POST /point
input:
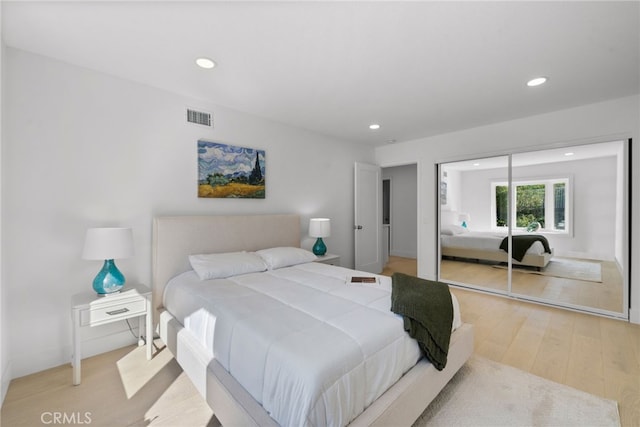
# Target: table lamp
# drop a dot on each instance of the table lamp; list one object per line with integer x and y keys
{"x": 464, "y": 219}
{"x": 319, "y": 227}
{"x": 108, "y": 244}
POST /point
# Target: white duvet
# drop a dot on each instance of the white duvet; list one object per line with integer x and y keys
{"x": 312, "y": 349}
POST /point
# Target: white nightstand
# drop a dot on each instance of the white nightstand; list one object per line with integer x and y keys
{"x": 89, "y": 309}
{"x": 331, "y": 259}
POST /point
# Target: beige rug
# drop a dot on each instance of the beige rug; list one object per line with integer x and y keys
{"x": 486, "y": 393}
{"x": 589, "y": 271}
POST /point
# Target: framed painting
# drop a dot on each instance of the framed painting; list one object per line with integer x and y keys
{"x": 443, "y": 188}
{"x": 228, "y": 171}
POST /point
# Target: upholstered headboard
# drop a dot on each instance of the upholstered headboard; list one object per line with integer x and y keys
{"x": 177, "y": 237}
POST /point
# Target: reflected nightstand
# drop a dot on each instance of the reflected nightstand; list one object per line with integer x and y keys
{"x": 331, "y": 259}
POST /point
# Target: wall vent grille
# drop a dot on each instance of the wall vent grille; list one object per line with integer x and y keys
{"x": 199, "y": 117}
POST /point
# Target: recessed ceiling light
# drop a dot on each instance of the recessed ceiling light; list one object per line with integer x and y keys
{"x": 536, "y": 82}
{"x": 374, "y": 126}
{"x": 205, "y": 63}
{"x": 476, "y": 164}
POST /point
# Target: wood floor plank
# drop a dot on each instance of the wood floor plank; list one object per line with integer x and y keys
{"x": 553, "y": 355}
{"x": 625, "y": 389}
{"x": 525, "y": 346}
{"x": 615, "y": 357}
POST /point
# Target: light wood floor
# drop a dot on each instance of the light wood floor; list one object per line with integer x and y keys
{"x": 121, "y": 388}
{"x": 607, "y": 295}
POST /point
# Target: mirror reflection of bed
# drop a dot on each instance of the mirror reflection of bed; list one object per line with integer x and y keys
{"x": 462, "y": 242}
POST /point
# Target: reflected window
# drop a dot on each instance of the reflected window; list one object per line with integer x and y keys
{"x": 559, "y": 191}
{"x": 540, "y": 205}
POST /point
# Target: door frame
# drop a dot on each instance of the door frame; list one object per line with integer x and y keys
{"x": 419, "y": 243}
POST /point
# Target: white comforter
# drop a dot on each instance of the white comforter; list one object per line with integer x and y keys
{"x": 310, "y": 348}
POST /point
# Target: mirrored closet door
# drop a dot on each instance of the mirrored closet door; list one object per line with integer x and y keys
{"x": 549, "y": 226}
{"x": 469, "y": 241}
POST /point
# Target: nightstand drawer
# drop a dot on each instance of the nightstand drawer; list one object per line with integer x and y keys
{"x": 97, "y": 315}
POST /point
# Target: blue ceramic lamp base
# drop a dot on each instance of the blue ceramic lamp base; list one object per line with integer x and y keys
{"x": 319, "y": 248}
{"x": 109, "y": 280}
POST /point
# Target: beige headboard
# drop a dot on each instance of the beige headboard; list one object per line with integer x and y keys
{"x": 177, "y": 237}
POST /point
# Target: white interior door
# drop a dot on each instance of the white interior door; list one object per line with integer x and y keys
{"x": 368, "y": 218}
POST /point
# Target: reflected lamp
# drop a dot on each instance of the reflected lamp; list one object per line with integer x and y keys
{"x": 108, "y": 244}
{"x": 319, "y": 227}
{"x": 464, "y": 219}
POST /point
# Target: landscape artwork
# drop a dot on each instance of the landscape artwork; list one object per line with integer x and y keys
{"x": 228, "y": 171}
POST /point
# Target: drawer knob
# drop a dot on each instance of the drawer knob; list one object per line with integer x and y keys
{"x": 120, "y": 311}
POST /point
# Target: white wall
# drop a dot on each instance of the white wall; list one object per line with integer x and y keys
{"x": 404, "y": 208}
{"x": 600, "y": 122}
{"x": 5, "y": 376}
{"x": 84, "y": 149}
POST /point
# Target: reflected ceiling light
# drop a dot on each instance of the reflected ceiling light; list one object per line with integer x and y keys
{"x": 205, "y": 63}
{"x": 476, "y": 164}
{"x": 536, "y": 82}
{"x": 374, "y": 126}
{"x": 568, "y": 154}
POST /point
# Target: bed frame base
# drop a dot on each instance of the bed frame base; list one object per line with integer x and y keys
{"x": 530, "y": 260}
{"x": 400, "y": 405}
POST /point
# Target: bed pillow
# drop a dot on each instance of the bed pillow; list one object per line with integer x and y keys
{"x": 451, "y": 230}
{"x": 285, "y": 256}
{"x": 219, "y": 266}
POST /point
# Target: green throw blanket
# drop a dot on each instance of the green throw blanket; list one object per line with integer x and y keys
{"x": 428, "y": 314}
{"x": 522, "y": 243}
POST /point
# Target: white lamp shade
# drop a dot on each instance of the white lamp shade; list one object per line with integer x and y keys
{"x": 108, "y": 243}
{"x": 319, "y": 227}
{"x": 464, "y": 217}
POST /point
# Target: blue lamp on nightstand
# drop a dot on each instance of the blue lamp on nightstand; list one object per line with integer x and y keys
{"x": 319, "y": 227}
{"x": 464, "y": 219}
{"x": 108, "y": 244}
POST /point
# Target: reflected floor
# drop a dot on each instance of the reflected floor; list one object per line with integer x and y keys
{"x": 607, "y": 295}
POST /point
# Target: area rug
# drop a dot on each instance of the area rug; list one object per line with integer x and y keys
{"x": 487, "y": 393}
{"x": 589, "y": 271}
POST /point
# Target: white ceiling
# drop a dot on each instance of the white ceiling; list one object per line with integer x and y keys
{"x": 417, "y": 68}
{"x": 547, "y": 156}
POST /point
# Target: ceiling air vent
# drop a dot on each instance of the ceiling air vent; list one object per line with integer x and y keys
{"x": 199, "y": 117}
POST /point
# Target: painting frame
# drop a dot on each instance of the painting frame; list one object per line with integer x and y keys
{"x": 443, "y": 188}
{"x": 228, "y": 171}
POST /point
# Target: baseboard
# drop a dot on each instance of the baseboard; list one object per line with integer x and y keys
{"x": 634, "y": 316}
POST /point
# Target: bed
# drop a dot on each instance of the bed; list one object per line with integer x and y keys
{"x": 233, "y": 397}
{"x": 459, "y": 242}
